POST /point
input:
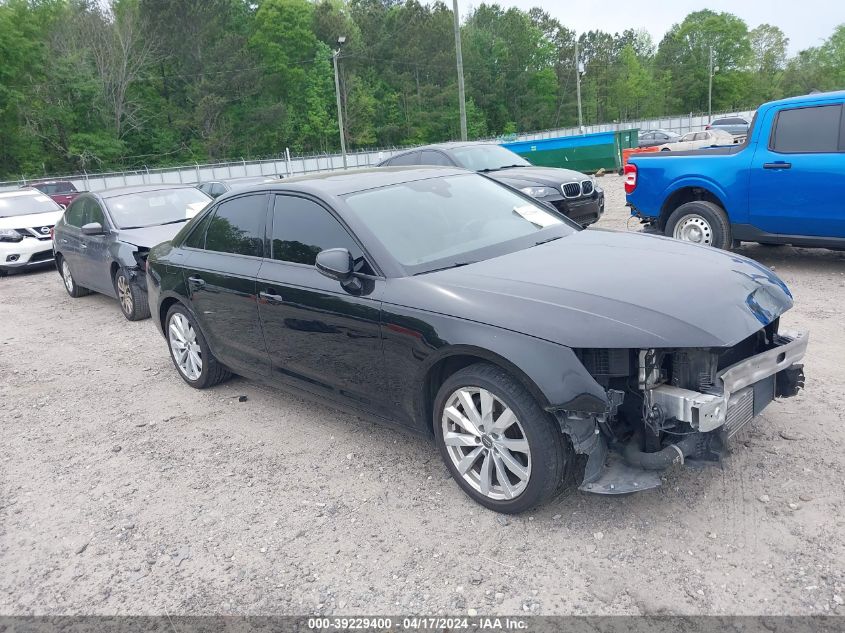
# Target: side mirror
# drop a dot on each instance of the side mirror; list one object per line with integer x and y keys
{"x": 335, "y": 263}
{"x": 93, "y": 228}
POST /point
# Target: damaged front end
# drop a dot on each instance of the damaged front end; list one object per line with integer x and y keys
{"x": 666, "y": 406}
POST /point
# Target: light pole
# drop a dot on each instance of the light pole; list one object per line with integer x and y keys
{"x": 713, "y": 70}
{"x": 461, "y": 96}
{"x": 579, "y": 70}
{"x": 340, "y": 42}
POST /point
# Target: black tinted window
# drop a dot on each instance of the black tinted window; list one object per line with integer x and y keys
{"x": 302, "y": 228}
{"x": 807, "y": 130}
{"x": 405, "y": 159}
{"x": 430, "y": 157}
{"x": 196, "y": 238}
{"x": 238, "y": 226}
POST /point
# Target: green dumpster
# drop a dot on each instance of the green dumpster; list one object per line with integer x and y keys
{"x": 585, "y": 153}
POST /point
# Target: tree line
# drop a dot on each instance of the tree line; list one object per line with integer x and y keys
{"x": 90, "y": 85}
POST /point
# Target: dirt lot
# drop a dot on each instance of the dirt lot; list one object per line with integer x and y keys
{"x": 123, "y": 491}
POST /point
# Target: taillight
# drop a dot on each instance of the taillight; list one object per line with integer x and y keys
{"x": 630, "y": 177}
{"x": 708, "y": 127}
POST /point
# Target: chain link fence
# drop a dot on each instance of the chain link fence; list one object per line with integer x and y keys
{"x": 286, "y": 166}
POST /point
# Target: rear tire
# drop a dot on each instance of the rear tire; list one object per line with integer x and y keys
{"x": 700, "y": 222}
{"x": 189, "y": 350}
{"x": 519, "y": 460}
{"x": 73, "y": 289}
{"x": 132, "y": 300}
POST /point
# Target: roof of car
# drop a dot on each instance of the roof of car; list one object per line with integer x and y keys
{"x": 124, "y": 191}
{"x": 339, "y": 183}
{"x": 452, "y": 145}
{"x": 23, "y": 191}
{"x": 810, "y": 97}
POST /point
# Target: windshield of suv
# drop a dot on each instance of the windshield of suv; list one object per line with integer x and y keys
{"x": 454, "y": 220}
{"x": 152, "y": 208}
{"x": 26, "y": 203}
{"x": 487, "y": 157}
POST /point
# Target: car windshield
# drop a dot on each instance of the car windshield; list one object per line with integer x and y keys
{"x": 26, "y": 203}
{"x": 454, "y": 220}
{"x": 152, "y": 208}
{"x": 487, "y": 157}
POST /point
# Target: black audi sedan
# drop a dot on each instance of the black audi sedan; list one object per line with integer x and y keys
{"x": 443, "y": 301}
{"x": 574, "y": 194}
{"x": 101, "y": 242}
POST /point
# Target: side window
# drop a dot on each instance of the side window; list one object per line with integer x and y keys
{"x": 302, "y": 228}
{"x": 688, "y": 137}
{"x": 218, "y": 189}
{"x": 75, "y": 213}
{"x": 431, "y": 157}
{"x": 702, "y": 136}
{"x": 405, "y": 159}
{"x": 196, "y": 238}
{"x": 807, "y": 130}
{"x": 238, "y": 226}
{"x": 92, "y": 212}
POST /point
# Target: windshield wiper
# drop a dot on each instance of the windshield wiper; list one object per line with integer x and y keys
{"x": 455, "y": 265}
{"x": 548, "y": 239}
{"x": 146, "y": 226}
{"x": 174, "y": 221}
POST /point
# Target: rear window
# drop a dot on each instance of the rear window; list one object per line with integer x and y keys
{"x": 26, "y": 203}
{"x": 730, "y": 121}
{"x": 812, "y": 130}
{"x": 52, "y": 188}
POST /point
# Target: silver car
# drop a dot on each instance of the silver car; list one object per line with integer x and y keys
{"x": 697, "y": 140}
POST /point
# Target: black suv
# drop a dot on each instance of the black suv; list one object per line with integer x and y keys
{"x": 572, "y": 193}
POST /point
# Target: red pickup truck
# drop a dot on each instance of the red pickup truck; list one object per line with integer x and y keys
{"x": 61, "y": 191}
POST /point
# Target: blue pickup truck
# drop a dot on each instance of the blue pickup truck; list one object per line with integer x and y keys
{"x": 784, "y": 185}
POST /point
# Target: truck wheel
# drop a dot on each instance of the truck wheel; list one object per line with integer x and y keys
{"x": 700, "y": 222}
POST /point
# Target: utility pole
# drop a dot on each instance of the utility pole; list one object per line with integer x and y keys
{"x": 578, "y": 68}
{"x": 710, "y": 89}
{"x": 461, "y": 96}
{"x": 340, "y": 42}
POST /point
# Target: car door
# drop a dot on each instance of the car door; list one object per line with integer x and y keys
{"x": 321, "y": 336}
{"x": 796, "y": 180}
{"x": 68, "y": 233}
{"x": 220, "y": 268}
{"x": 95, "y": 261}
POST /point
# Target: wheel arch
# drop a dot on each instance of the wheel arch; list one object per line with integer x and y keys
{"x": 688, "y": 193}
{"x": 453, "y": 359}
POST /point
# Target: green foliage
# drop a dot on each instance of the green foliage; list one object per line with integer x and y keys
{"x": 96, "y": 85}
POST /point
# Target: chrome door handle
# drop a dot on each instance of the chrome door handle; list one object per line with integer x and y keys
{"x": 196, "y": 282}
{"x": 271, "y": 298}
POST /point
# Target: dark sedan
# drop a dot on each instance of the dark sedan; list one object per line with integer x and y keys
{"x": 653, "y": 138}
{"x": 574, "y": 194}
{"x": 102, "y": 240}
{"x": 443, "y": 301}
{"x": 736, "y": 126}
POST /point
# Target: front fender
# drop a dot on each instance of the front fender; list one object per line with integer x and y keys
{"x": 415, "y": 341}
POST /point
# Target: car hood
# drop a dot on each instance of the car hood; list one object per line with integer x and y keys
{"x": 32, "y": 220}
{"x": 149, "y": 236}
{"x": 533, "y": 176}
{"x": 607, "y": 289}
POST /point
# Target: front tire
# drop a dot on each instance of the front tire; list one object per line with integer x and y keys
{"x": 189, "y": 350}
{"x": 133, "y": 301}
{"x": 700, "y": 222}
{"x": 73, "y": 289}
{"x": 499, "y": 445}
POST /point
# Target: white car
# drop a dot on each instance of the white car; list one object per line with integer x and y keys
{"x": 27, "y": 217}
{"x": 696, "y": 140}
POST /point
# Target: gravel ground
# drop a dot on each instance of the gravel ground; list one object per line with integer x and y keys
{"x": 123, "y": 491}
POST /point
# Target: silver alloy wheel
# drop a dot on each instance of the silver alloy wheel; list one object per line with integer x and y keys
{"x": 486, "y": 443}
{"x": 694, "y": 228}
{"x": 66, "y": 276}
{"x": 184, "y": 346}
{"x": 124, "y": 294}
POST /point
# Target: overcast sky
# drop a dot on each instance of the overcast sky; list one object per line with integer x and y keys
{"x": 805, "y": 22}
